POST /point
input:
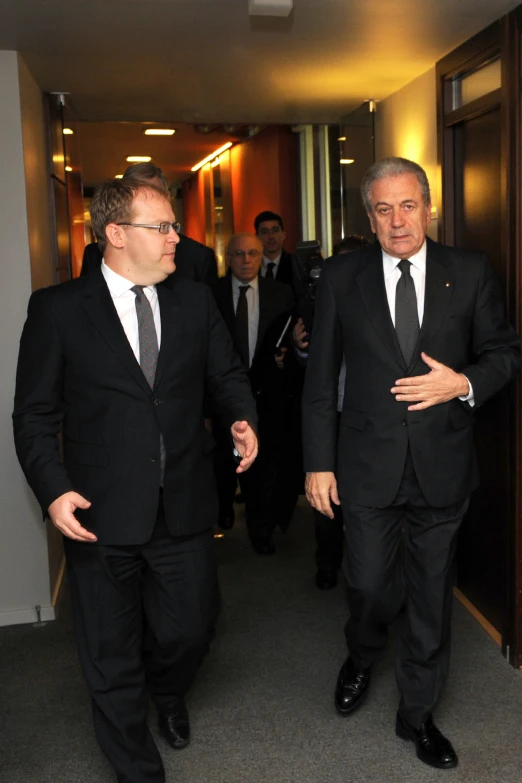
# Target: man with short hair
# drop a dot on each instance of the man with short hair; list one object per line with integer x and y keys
{"x": 276, "y": 262}
{"x": 423, "y": 331}
{"x": 194, "y": 261}
{"x": 256, "y": 312}
{"x": 122, "y": 364}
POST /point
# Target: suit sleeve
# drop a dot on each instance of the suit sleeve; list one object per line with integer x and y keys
{"x": 38, "y": 406}
{"x": 228, "y": 388}
{"x": 321, "y": 381}
{"x": 495, "y": 345}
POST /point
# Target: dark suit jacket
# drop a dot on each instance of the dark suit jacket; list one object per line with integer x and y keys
{"x": 76, "y": 368}
{"x": 194, "y": 261}
{"x": 285, "y": 273}
{"x": 275, "y": 305}
{"x": 464, "y": 327}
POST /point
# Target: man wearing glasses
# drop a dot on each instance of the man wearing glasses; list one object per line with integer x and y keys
{"x": 256, "y": 312}
{"x": 121, "y": 364}
{"x": 276, "y": 262}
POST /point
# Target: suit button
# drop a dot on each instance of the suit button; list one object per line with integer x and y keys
{"x": 156, "y": 402}
{"x": 153, "y": 459}
{"x": 405, "y": 422}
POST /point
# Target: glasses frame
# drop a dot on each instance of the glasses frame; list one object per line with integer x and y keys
{"x": 176, "y": 226}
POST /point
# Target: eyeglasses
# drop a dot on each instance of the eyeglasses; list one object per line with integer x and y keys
{"x": 163, "y": 228}
{"x": 242, "y": 253}
{"x": 265, "y": 231}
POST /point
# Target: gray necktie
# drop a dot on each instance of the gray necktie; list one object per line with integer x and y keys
{"x": 406, "y": 312}
{"x": 147, "y": 335}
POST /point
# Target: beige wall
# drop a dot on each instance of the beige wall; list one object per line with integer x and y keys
{"x": 406, "y": 125}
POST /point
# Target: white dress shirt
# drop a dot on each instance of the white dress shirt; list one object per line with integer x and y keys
{"x": 266, "y": 261}
{"x": 252, "y": 296}
{"x": 125, "y": 303}
{"x": 392, "y": 274}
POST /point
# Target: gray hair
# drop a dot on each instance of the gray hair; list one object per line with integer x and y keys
{"x": 145, "y": 172}
{"x": 393, "y": 167}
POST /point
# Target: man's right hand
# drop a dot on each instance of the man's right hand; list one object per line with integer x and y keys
{"x": 321, "y": 488}
{"x": 300, "y": 335}
{"x": 62, "y": 516}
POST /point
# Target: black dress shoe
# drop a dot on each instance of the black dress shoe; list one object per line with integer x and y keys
{"x": 226, "y": 522}
{"x": 175, "y": 726}
{"x": 352, "y": 686}
{"x": 263, "y": 546}
{"x": 432, "y": 746}
{"x": 326, "y": 580}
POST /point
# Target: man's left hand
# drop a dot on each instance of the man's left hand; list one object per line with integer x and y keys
{"x": 440, "y": 385}
{"x": 245, "y": 441}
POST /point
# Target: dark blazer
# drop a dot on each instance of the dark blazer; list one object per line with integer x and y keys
{"x": 76, "y": 368}
{"x": 285, "y": 273}
{"x": 275, "y": 305}
{"x": 464, "y": 327}
{"x": 194, "y": 261}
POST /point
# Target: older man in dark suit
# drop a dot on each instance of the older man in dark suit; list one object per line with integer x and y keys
{"x": 425, "y": 339}
{"x": 124, "y": 363}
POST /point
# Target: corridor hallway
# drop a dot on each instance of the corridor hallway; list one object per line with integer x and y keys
{"x": 262, "y": 707}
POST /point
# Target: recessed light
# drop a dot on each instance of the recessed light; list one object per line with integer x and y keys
{"x": 159, "y": 132}
{"x": 341, "y": 138}
{"x": 345, "y": 161}
{"x": 138, "y": 159}
{"x": 67, "y": 131}
{"x": 68, "y": 168}
{"x": 118, "y": 176}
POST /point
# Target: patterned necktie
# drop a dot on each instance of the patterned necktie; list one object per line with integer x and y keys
{"x": 242, "y": 325}
{"x": 148, "y": 338}
{"x": 406, "y": 312}
{"x": 269, "y": 274}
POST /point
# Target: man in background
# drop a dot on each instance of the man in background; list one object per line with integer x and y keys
{"x": 194, "y": 261}
{"x": 276, "y": 263}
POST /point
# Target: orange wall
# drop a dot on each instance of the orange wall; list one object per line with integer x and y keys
{"x": 264, "y": 176}
{"x": 194, "y": 208}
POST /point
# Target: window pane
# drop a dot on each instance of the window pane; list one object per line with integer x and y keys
{"x": 476, "y": 84}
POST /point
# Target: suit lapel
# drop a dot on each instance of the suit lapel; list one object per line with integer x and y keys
{"x": 373, "y": 292}
{"x": 438, "y": 293}
{"x": 171, "y": 319}
{"x": 97, "y": 303}
{"x": 264, "y": 288}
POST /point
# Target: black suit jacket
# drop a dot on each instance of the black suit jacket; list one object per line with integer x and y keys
{"x": 464, "y": 327}
{"x": 76, "y": 369}
{"x": 276, "y": 303}
{"x": 285, "y": 273}
{"x": 194, "y": 261}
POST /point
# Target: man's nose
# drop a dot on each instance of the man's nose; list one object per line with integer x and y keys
{"x": 397, "y": 217}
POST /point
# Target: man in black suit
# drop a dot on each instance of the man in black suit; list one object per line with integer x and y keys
{"x": 276, "y": 263}
{"x": 194, "y": 261}
{"x": 123, "y": 363}
{"x": 425, "y": 339}
{"x": 256, "y": 312}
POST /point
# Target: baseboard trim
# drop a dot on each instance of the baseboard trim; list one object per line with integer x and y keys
{"x": 491, "y": 630}
{"x": 26, "y": 616}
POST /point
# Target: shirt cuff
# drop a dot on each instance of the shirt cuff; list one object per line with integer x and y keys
{"x": 470, "y": 397}
{"x": 299, "y": 352}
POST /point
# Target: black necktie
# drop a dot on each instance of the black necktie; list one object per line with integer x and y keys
{"x": 242, "y": 325}
{"x": 406, "y": 312}
{"x": 269, "y": 274}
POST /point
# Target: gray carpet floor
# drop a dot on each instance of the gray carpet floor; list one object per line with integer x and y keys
{"x": 262, "y": 707}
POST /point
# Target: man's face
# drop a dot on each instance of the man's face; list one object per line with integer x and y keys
{"x": 244, "y": 258}
{"x": 147, "y": 257}
{"x": 272, "y": 236}
{"x": 399, "y": 216}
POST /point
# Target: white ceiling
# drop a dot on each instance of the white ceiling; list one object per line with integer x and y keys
{"x": 209, "y": 61}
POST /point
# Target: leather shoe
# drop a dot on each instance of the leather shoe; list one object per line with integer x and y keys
{"x": 352, "y": 686}
{"x": 226, "y": 521}
{"x": 175, "y": 726}
{"x": 432, "y": 746}
{"x": 326, "y": 580}
{"x": 263, "y": 546}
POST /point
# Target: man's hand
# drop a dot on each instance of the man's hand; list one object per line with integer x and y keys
{"x": 245, "y": 441}
{"x": 440, "y": 385}
{"x": 300, "y": 335}
{"x": 62, "y": 516}
{"x": 320, "y": 488}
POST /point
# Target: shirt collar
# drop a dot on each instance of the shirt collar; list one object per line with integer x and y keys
{"x": 275, "y": 261}
{"x": 236, "y": 284}
{"x": 418, "y": 260}
{"x": 117, "y": 284}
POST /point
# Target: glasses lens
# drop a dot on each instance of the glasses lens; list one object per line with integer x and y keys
{"x": 253, "y": 253}
{"x": 177, "y": 227}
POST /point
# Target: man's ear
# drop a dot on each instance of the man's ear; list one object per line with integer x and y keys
{"x": 372, "y": 222}
{"x": 115, "y": 235}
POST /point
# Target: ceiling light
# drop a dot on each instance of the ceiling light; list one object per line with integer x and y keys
{"x": 118, "y": 176}
{"x": 215, "y": 163}
{"x": 159, "y": 132}
{"x": 341, "y": 138}
{"x": 270, "y": 7}
{"x": 138, "y": 159}
{"x": 347, "y": 160}
{"x": 68, "y": 168}
{"x": 211, "y": 156}
{"x": 67, "y": 131}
